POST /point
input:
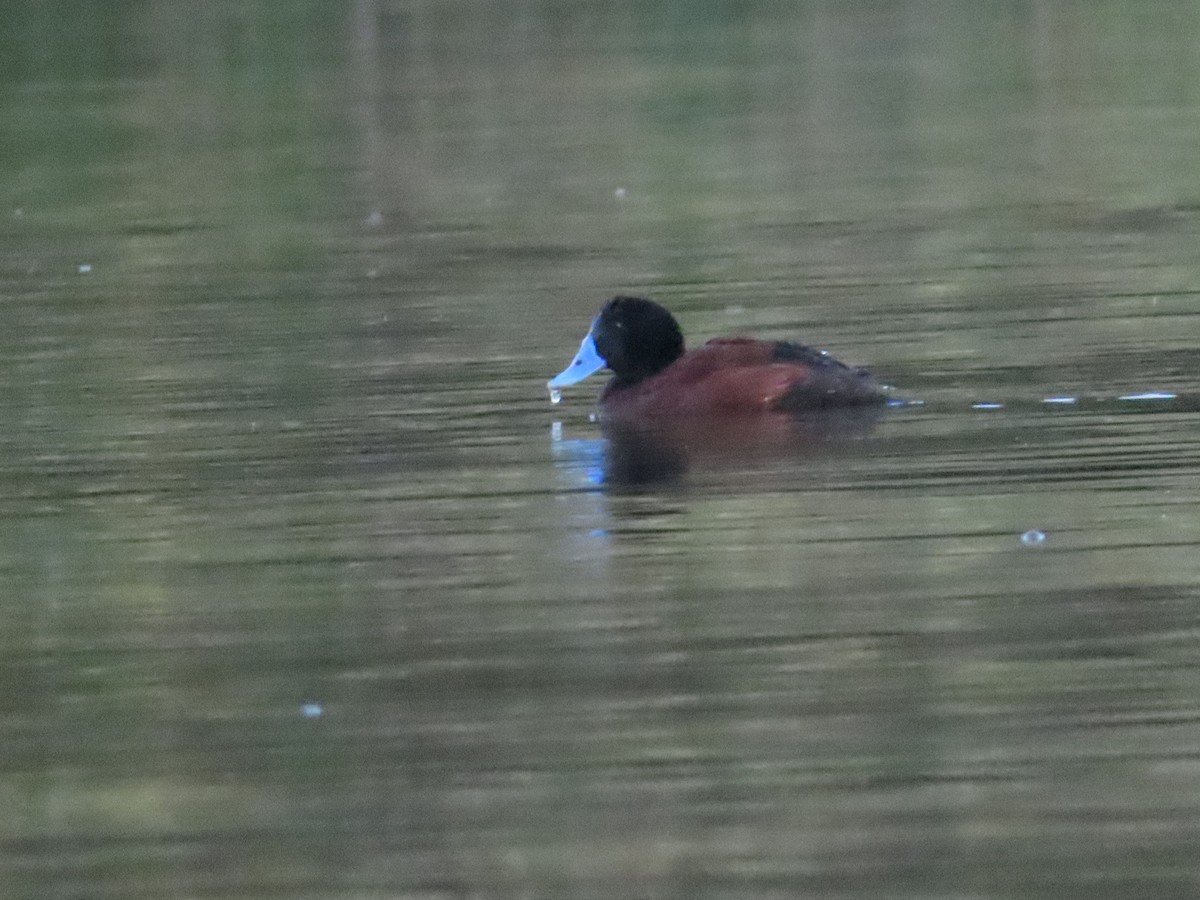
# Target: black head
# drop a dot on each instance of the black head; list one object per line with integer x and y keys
{"x": 636, "y": 337}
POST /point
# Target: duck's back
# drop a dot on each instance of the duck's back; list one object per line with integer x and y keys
{"x": 737, "y": 376}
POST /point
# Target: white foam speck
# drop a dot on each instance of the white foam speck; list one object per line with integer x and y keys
{"x": 1148, "y": 395}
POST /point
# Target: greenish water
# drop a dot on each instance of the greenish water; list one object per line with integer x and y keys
{"x": 306, "y": 594}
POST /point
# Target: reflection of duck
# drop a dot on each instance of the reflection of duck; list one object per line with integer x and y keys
{"x": 660, "y": 451}
{"x": 655, "y": 378}
{"x": 632, "y": 455}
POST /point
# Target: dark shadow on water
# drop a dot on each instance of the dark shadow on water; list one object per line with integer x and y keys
{"x": 652, "y": 455}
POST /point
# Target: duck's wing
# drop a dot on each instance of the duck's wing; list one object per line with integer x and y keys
{"x": 785, "y": 376}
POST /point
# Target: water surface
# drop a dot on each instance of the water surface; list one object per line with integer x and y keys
{"x": 307, "y": 595}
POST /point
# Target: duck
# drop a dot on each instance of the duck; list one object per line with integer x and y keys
{"x": 654, "y": 377}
